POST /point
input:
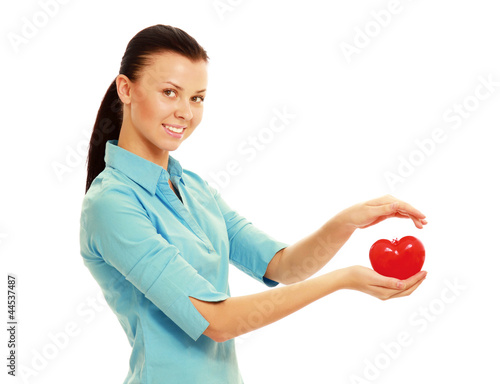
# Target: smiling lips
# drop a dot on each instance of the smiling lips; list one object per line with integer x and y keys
{"x": 174, "y": 130}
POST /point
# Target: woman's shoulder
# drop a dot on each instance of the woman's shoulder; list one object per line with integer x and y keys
{"x": 110, "y": 180}
{"x": 110, "y": 188}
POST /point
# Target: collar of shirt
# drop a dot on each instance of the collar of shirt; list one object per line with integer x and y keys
{"x": 144, "y": 172}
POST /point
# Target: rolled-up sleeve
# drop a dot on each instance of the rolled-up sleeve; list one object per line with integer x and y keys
{"x": 251, "y": 249}
{"x": 115, "y": 227}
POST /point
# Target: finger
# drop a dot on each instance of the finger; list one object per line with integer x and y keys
{"x": 408, "y": 291}
{"x": 397, "y": 205}
{"x": 388, "y": 287}
{"x": 415, "y": 220}
{"x": 415, "y": 278}
{"x": 411, "y": 284}
{"x": 397, "y": 284}
{"x": 419, "y": 223}
{"x": 383, "y": 211}
{"x": 390, "y": 283}
{"x": 414, "y": 281}
{"x": 405, "y": 208}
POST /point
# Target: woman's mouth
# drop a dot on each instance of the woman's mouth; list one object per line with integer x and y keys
{"x": 174, "y": 130}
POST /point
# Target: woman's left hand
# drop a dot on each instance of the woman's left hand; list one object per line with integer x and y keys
{"x": 364, "y": 215}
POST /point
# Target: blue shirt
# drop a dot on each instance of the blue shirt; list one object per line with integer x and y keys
{"x": 149, "y": 251}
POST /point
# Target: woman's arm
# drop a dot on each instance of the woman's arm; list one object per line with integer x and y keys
{"x": 304, "y": 258}
{"x": 238, "y": 315}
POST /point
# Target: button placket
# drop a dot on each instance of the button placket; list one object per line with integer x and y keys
{"x": 182, "y": 210}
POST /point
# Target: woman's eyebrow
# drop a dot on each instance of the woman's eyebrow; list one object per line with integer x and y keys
{"x": 182, "y": 89}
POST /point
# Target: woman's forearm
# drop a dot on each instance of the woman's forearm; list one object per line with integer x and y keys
{"x": 238, "y": 315}
{"x": 304, "y": 258}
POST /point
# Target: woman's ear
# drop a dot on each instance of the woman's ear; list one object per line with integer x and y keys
{"x": 123, "y": 88}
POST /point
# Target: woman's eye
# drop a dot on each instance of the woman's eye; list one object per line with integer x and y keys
{"x": 198, "y": 99}
{"x": 169, "y": 92}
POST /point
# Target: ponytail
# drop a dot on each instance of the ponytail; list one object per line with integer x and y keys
{"x": 149, "y": 41}
{"x": 107, "y": 127}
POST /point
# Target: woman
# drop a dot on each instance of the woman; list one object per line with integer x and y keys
{"x": 158, "y": 239}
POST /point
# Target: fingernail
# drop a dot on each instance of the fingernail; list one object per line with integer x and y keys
{"x": 400, "y": 285}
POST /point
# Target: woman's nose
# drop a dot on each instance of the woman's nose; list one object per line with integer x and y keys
{"x": 184, "y": 110}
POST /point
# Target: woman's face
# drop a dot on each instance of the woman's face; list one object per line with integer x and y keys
{"x": 163, "y": 107}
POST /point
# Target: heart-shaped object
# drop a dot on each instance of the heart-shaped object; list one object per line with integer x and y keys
{"x": 398, "y": 258}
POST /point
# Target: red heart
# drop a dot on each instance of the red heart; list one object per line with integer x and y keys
{"x": 398, "y": 258}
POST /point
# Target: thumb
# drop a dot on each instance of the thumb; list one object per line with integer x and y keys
{"x": 394, "y": 283}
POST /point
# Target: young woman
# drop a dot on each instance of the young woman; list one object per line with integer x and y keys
{"x": 158, "y": 239}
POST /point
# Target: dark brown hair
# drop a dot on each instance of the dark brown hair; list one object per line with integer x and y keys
{"x": 152, "y": 40}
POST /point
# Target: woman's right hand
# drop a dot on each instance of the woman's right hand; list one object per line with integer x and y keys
{"x": 368, "y": 213}
{"x": 366, "y": 280}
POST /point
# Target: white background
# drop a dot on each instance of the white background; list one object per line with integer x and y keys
{"x": 356, "y": 117}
